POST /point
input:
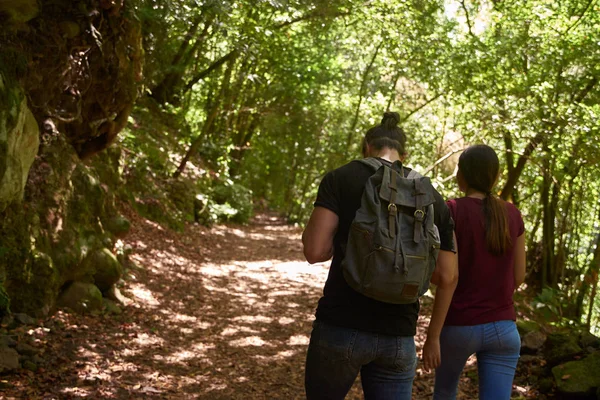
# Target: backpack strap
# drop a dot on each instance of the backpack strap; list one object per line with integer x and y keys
{"x": 392, "y": 208}
{"x": 372, "y": 162}
{"x": 419, "y": 208}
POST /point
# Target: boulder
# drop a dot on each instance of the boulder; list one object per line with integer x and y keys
{"x": 576, "y": 379}
{"x": 19, "y": 142}
{"x": 524, "y": 327}
{"x": 82, "y": 298}
{"x": 106, "y": 267}
{"x": 561, "y": 347}
{"x": 532, "y": 342}
{"x": 8, "y": 341}
{"x": 119, "y": 226}
{"x": 26, "y": 350}
{"x": 9, "y": 359}
{"x": 111, "y": 307}
{"x": 24, "y": 319}
{"x": 587, "y": 340}
{"x": 19, "y": 10}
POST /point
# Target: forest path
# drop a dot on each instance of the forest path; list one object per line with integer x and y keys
{"x": 219, "y": 313}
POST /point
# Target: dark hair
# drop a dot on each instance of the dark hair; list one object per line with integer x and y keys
{"x": 479, "y": 167}
{"x": 387, "y": 134}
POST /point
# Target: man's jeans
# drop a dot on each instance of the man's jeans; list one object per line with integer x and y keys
{"x": 497, "y": 346}
{"x": 336, "y": 355}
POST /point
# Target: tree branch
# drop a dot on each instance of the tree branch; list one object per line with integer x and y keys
{"x": 437, "y": 96}
{"x": 574, "y": 24}
{"x": 311, "y": 15}
{"x": 203, "y": 74}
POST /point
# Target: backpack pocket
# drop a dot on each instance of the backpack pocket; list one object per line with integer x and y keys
{"x": 375, "y": 270}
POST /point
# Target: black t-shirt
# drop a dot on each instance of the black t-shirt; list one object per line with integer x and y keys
{"x": 341, "y": 191}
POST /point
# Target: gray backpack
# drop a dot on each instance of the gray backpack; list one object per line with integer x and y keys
{"x": 393, "y": 242}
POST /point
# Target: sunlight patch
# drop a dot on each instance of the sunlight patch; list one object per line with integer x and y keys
{"x": 183, "y": 318}
{"x": 143, "y": 339}
{"x": 298, "y": 340}
{"x": 143, "y": 295}
{"x": 248, "y": 341}
{"x": 253, "y": 318}
{"x": 285, "y": 320}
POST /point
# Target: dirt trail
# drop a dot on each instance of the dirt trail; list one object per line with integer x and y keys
{"x": 220, "y": 313}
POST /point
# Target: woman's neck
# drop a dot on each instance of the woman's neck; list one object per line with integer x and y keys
{"x": 476, "y": 194}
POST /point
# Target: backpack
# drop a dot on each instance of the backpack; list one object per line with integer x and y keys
{"x": 393, "y": 242}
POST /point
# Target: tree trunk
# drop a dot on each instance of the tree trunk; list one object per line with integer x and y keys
{"x": 207, "y": 124}
{"x": 166, "y": 90}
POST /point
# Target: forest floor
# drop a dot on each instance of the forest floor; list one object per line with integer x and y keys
{"x": 219, "y": 313}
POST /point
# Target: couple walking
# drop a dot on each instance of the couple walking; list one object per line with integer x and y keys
{"x": 480, "y": 264}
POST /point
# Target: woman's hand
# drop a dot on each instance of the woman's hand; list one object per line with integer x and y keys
{"x": 431, "y": 354}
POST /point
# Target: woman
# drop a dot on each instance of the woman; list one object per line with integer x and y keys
{"x": 352, "y": 333}
{"x": 491, "y": 259}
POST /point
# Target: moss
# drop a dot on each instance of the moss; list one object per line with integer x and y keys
{"x": 578, "y": 378}
{"x": 525, "y": 327}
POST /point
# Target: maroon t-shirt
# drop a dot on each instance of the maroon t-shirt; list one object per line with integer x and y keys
{"x": 485, "y": 282}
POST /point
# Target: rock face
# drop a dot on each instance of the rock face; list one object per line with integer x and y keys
{"x": 81, "y": 297}
{"x": 19, "y": 142}
{"x": 578, "y": 379}
{"x": 49, "y": 123}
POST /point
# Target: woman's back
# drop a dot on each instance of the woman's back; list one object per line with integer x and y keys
{"x": 486, "y": 281}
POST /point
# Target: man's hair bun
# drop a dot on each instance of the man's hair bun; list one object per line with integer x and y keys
{"x": 390, "y": 120}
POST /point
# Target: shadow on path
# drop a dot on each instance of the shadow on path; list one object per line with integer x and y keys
{"x": 220, "y": 313}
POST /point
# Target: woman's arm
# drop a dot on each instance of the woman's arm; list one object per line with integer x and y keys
{"x": 520, "y": 261}
{"x": 318, "y": 235}
{"x": 445, "y": 277}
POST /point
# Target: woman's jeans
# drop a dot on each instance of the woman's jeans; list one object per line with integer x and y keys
{"x": 497, "y": 346}
{"x": 336, "y": 355}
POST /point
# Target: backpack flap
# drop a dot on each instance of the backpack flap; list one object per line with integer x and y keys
{"x": 413, "y": 193}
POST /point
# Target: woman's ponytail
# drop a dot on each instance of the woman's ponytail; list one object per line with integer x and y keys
{"x": 497, "y": 234}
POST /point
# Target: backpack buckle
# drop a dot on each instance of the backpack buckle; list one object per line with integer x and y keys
{"x": 419, "y": 215}
{"x": 393, "y": 209}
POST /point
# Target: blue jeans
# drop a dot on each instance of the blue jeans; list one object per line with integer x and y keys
{"x": 496, "y": 345}
{"x": 336, "y": 355}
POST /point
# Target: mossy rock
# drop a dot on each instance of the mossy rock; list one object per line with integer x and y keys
{"x": 561, "y": 347}
{"x": 524, "y": 327}
{"x": 576, "y": 379}
{"x": 118, "y": 225}
{"x": 106, "y": 267}
{"x": 35, "y": 292}
{"x": 81, "y": 297}
{"x": 19, "y": 10}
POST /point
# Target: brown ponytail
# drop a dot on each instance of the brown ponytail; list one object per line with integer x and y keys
{"x": 479, "y": 166}
{"x": 497, "y": 234}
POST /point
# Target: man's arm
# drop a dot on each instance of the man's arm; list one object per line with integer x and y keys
{"x": 318, "y": 235}
{"x": 445, "y": 277}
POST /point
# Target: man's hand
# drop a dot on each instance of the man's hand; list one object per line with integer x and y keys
{"x": 431, "y": 354}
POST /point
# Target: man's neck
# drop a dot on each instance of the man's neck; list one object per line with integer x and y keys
{"x": 386, "y": 154}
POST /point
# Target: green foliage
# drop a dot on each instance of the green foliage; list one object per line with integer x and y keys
{"x": 272, "y": 95}
{"x": 231, "y": 202}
